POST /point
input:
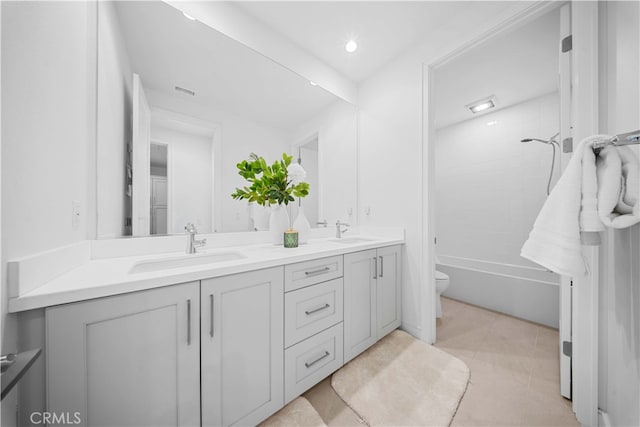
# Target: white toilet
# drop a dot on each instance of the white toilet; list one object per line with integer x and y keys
{"x": 442, "y": 283}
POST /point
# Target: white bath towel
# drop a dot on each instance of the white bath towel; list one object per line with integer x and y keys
{"x": 571, "y": 207}
{"x": 618, "y": 187}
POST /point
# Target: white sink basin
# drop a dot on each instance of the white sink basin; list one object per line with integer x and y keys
{"x": 352, "y": 240}
{"x": 185, "y": 261}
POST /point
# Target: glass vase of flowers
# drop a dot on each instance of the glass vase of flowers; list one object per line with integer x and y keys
{"x": 272, "y": 185}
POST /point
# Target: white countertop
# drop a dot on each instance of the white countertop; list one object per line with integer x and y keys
{"x": 102, "y": 277}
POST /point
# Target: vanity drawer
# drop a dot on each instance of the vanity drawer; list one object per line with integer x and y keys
{"x": 307, "y": 273}
{"x": 309, "y": 362}
{"x": 312, "y": 309}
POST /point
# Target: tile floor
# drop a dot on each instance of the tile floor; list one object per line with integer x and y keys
{"x": 514, "y": 368}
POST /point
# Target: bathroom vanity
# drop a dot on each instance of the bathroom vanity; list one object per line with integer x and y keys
{"x": 217, "y": 342}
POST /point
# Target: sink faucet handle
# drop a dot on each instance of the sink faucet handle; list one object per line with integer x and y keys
{"x": 339, "y": 230}
{"x": 190, "y": 228}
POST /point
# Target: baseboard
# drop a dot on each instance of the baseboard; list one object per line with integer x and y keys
{"x": 603, "y": 419}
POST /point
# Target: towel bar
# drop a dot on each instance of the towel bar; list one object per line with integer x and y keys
{"x": 628, "y": 138}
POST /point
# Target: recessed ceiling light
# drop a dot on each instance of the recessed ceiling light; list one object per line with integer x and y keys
{"x": 189, "y": 17}
{"x": 312, "y": 83}
{"x": 351, "y": 46}
{"x": 482, "y": 105}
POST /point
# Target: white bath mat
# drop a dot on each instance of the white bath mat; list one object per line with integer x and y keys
{"x": 402, "y": 381}
{"x": 297, "y": 413}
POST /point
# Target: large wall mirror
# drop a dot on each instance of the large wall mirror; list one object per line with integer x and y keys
{"x": 179, "y": 104}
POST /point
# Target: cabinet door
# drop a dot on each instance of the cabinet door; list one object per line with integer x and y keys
{"x": 242, "y": 347}
{"x": 126, "y": 360}
{"x": 359, "y": 302}
{"x": 388, "y": 289}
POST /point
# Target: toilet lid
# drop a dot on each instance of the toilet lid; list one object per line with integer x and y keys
{"x": 441, "y": 276}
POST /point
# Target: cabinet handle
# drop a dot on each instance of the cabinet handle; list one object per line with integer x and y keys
{"x": 188, "y": 322}
{"x": 316, "y": 272}
{"x": 211, "y": 323}
{"x": 381, "y": 266}
{"x": 315, "y": 310}
{"x": 310, "y": 364}
{"x": 375, "y": 267}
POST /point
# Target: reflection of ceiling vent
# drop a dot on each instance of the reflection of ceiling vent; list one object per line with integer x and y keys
{"x": 187, "y": 91}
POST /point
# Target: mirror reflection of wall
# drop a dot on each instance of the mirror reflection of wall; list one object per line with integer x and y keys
{"x": 306, "y": 153}
{"x": 189, "y": 171}
{"x": 194, "y": 74}
{"x": 159, "y": 191}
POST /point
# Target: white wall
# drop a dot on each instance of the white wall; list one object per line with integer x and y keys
{"x": 115, "y": 80}
{"x": 48, "y": 131}
{"x": 489, "y": 190}
{"x": 619, "y": 322}
{"x": 190, "y": 179}
{"x": 238, "y": 138}
{"x": 337, "y": 156}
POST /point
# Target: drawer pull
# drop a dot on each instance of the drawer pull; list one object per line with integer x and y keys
{"x": 375, "y": 266}
{"x": 316, "y": 272}
{"x": 315, "y": 310}
{"x": 310, "y": 364}
{"x": 211, "y": 318}
{"x": 381, "y": 267}
{"x": 188, "y": 322}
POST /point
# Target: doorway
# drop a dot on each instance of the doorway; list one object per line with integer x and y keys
{"x": 485, "y": 185}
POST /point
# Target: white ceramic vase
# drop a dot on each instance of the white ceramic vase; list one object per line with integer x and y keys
{"x": 278, "y": 223}
{"x": 302, "y": 226}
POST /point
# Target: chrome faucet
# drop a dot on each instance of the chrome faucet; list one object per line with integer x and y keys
{"x": 193, "y": 243}
{"x": 339, "y": 230}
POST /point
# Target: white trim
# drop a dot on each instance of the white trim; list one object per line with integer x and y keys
{"x": 564, "y": 321}
{"x": 495, "y": 268}
{"x": 603, "y": 419}
{"x": 584, "y": 25}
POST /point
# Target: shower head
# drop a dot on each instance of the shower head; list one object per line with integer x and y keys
{"x": 533, "y": 139}
{"x": 551, "y": 140}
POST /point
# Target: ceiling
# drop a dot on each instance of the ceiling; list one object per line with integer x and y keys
{"x": 229, "y": 76}
{"x": 383, "y": 29}
{"x": 168, "y": 50}
{"x": 514, "y": 67}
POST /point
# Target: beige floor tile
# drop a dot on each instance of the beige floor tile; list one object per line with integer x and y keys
{"x": 483, "y": 405}
{"x": 497, "y": 375}
{"x": 545, "y": 409}
{"x": 515, "y": 330}
{"x": 501, "y": 353}
{"x": 548, "y": 339}
{"x": 514, "y": 369}
{"x": 331, "y": 407}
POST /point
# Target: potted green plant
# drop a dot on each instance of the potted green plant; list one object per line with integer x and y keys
{"x": 273, "y": 185}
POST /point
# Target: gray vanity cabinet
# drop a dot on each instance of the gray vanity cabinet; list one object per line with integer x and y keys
{"x": 242, "y": 341}
{"x": 371, "y": 297}
{"x": 388, "y": 290}
{"x": 131, "y": 359}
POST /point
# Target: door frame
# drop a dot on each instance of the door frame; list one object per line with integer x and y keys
{"x": 584, "y": 18}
